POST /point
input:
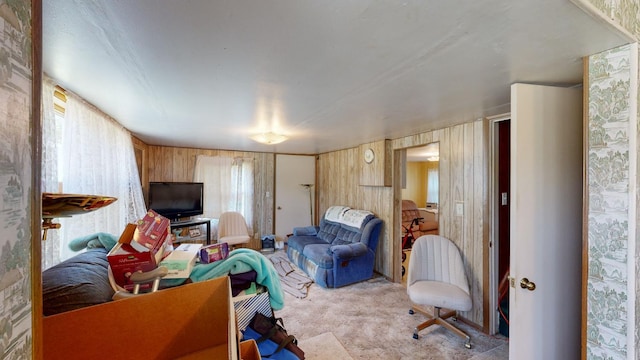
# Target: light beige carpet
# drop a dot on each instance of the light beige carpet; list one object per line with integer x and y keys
{"x": 371, "y": 321}
{"x": 322, "y": 347}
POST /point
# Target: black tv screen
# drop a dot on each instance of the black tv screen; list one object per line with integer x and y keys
{"x": 176, "y": 200}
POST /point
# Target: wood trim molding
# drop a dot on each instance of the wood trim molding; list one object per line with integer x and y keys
{"x": 141, "y": 152}
{"x": 585, "y": 208}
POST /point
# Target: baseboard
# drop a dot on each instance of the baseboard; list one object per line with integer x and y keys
{"x": 472, "y": 324}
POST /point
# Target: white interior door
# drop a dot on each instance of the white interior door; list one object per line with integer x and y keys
{"x": 294, "y": 200}
{"x": 546, "y": 222}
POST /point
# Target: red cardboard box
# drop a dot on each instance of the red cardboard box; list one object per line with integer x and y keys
{"x": 151, "y": 232}
{"x": 125, "y": 260}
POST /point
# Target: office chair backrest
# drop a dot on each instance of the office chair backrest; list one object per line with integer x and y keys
{"x": 435, "y": 258}
{"x": 232, "y": 223}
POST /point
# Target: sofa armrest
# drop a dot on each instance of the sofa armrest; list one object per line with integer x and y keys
{"x": 306, "y": 230}
{"x": 348, "y": 251}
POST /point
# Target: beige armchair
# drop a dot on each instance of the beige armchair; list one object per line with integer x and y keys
{"x": 232, "y": 229}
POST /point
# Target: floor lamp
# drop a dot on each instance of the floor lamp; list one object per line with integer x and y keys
{"x": 308, "y": 187}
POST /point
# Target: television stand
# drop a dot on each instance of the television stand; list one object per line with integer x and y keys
{"x": 194, "y": 222}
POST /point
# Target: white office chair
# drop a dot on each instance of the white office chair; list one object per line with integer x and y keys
{"x": 232, "y": 229}
{"x": 436, "y": 278}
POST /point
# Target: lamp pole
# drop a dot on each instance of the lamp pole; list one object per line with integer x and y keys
{"x": 308, "y": 187}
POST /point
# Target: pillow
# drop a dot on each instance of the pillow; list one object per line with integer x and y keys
{"x": 305, "y": 230}
{"x": 80, "y": 281}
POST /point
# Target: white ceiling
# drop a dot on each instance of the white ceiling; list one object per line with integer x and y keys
{"x": 329, "y": 74}
{"x": 423, "y": 153}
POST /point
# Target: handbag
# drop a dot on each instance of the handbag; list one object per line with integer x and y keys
{"x": 268, "y": 348}
{"x": 273, "y": 329}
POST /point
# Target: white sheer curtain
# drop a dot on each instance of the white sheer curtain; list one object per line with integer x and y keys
{"x": 228, "y": 185}
{"x": 49, "y": 173}
{"x": 215, "y": 173}
{"x": 242, "y": 188}
{"x": 433, "y": 184}
{"x": 98, "y": 159}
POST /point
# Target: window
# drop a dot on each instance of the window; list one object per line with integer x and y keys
{"x": 228, "y": 185}
{"x": 86, "y": 152}
{"x": 433, "y": 183}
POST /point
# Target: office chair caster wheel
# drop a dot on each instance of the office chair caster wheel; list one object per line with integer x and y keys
{"x": 411, "y": 312}
{"x": 415, "y": 336}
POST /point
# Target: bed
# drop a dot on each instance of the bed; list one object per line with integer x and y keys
{"x": 80, "y": 281}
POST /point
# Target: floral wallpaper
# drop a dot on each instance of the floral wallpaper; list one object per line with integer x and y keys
{"x": 609, "y": 225}
{"x": 15, "y": 179}
{"x": 608, "y": 216}
{"x": 624, "y": 12}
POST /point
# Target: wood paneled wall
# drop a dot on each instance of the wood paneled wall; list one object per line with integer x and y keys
{"x": 378, "y": 172}
{"x": 177, "y": 164}
{"x": 338, "y": 184}
{"x": 417, "y": 181}
{"x": 463, "y": 179}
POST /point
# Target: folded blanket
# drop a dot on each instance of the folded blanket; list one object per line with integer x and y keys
{"x": 243, "y": 260}
{"x": 335, "y": 213}
{"x": 93, "y": 241}
{"x": 293, "y": 281}
{"x": 355, "y": 218}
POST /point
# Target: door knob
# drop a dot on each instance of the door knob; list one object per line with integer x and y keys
{"x": 526, "y": 284}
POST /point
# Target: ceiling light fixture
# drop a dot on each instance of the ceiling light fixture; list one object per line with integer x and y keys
{"x": 269, "y": 138}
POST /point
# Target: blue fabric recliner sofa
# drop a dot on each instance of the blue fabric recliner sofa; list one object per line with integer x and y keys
{"x": 339, "y": 252}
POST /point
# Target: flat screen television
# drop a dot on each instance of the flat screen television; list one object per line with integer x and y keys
{"x": 175, "y": 200}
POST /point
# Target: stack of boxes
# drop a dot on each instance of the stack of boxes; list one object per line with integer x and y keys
{"x": 181, "y": 261}
{"x": 147, "y": 244}
{"x": 140, "y": 248}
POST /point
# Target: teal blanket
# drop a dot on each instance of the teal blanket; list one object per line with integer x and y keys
{"x": 240, "y": 261}
{"x": 97, "y": 240}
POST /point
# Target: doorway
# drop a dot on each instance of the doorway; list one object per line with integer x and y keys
{"x": 546, "y": 222}
{"x": 295, "y": 180}
{"x": 419, "y": 195}
{"x": 500, "y": 237}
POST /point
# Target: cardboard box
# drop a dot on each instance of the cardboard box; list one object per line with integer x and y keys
{"x": 182, "y": 322}
{"x": 249, "y": 350}
{"x": 214, "y": 252}
{"x": 151, "y": 232}
{"x": 125, "y": 260}
{"x": 181, "y": 260}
